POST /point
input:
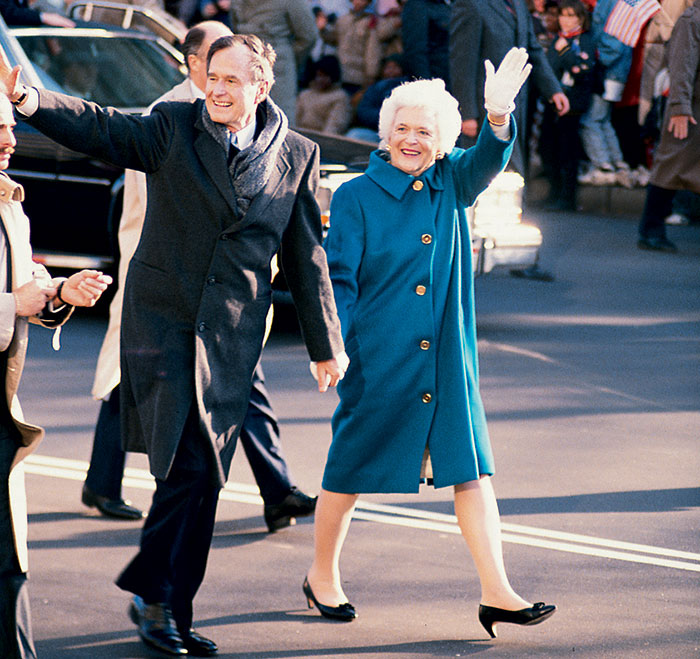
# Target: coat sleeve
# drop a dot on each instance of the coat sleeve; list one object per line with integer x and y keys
{"x": 684, "y": 59}
{"x": 466, "y": 28}
{"x": 306, "y": 270}
{"x": 475, "y": 168}
{"x": 124, "y": 140}
{"x": 14, "y": 14}
{"x": 303, "y": 26}
{"x": 345, "y": 246}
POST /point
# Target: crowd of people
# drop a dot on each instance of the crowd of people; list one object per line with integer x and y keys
{"x": 194, "y": 296}
{"x": 615, "y": 84}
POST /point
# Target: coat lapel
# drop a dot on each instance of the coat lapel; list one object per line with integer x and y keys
{"x": 213, "y": 159}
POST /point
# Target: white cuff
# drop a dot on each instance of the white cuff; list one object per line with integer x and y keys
{"x": 31, "y": 104}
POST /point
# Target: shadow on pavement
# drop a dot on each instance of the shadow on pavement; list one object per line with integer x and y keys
{"x": 636, "y": 501}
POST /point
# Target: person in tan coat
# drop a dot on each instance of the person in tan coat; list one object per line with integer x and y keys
{"x": 676, "y": 165}
{"x": 359, "y": 46}
{"x": 324, "y": 106}
{"x": 27, "y": 294}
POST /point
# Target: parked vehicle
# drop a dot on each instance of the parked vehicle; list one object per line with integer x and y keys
{"x": 74, "y": 201}
{"x": 151, "y": 19}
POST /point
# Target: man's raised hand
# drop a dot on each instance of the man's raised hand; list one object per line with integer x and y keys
{"x": 9, "y": 78}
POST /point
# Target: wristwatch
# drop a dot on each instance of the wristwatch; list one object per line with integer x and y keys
{"x": 22, "y": 97}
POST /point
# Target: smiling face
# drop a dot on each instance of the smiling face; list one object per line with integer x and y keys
{"x": 232, "y": 92}
{"x": 413, "y": 141}
{"x": 7, "y": 135}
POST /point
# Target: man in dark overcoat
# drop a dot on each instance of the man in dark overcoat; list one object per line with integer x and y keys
{"x": 488, "y": 29}
{"x": 228, "y": 186}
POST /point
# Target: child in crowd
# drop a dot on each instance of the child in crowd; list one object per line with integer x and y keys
{"x": 324, "y": 106}
{"x": 572, "y": 56}
{"x": 598, "y": 136}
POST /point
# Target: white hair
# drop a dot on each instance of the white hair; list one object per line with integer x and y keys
{"x": 435, "y": 99}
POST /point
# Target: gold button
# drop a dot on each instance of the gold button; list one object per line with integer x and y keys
{"x": 420, "y": 290}
{"x": 426, "y": 398}
{"x": 424, "y": 345}
{"x": 426, "y": 239}
{"x": 417, "y": 185}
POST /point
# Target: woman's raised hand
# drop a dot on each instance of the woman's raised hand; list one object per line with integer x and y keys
{"x": 503, "y": 85}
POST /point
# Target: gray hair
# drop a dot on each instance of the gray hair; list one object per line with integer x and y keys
{"x": 435, "y": 99}
{"x": 262, "y": 54}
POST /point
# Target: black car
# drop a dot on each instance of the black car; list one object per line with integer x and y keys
{"x": 73, "y": 201}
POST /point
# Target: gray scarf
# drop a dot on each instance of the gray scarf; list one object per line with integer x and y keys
{"x": 251, "y": 168}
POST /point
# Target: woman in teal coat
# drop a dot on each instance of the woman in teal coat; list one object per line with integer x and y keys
{"x": 399, "y": 254}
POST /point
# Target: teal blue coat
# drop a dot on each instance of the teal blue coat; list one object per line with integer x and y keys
{"x": 400, "y": 261}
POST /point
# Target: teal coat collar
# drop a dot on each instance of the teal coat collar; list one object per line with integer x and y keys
{"x": 394, "y": 181}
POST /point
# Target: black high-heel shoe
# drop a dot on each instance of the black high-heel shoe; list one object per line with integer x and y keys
{"x": 345, "y": 612}
{"x": 490, "y": 615}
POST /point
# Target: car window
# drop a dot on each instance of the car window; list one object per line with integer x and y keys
{"x": 123, "y": 72}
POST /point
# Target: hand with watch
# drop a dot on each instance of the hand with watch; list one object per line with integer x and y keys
{"x": 9, "y": 81}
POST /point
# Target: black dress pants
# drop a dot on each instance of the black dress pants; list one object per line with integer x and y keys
{"x": 657, "y": 207}
{"x": 259, "y": 437}
{"x": 15, "y": 621}
{"x": 177, "y": 534}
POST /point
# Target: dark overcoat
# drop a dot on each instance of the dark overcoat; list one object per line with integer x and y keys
{"x": 400, "y": 257}
{"x": 198, "y": 287}
{"x": 677, "y": 162}
{"x": 487, "y": 29}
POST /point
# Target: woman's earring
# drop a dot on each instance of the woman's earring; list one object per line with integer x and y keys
{"x": 439, "y": 155}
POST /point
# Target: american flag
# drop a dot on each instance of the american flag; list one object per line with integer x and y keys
{"x": 627, "y": 19}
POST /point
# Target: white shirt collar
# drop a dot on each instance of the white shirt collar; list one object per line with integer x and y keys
{"x": 244, "y": 137}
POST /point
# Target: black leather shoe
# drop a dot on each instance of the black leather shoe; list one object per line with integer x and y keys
{"x": 534, "y": 615}
{"x": 156, "y": 626}
{"x": 110, "y": 507}
{"x": 295, "y": 504}
{"x": 344, "y": 612}
{"x": 659, "y": 244}
{"x": 197, "y": 645}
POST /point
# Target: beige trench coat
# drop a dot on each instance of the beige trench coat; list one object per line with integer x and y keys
{"x": 676, "y": 164}
{"x": 23, "y": 270}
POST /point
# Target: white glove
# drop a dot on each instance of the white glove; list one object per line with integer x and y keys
{"x": 343, "y": 363}
{"x": 502, "y": 86}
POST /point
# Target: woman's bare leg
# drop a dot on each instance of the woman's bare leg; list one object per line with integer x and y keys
{"x": 480, "y": 523}
{"x": 332, "y": 520}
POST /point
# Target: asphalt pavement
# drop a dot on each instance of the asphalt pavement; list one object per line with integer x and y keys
{"x": 591, "y": 384}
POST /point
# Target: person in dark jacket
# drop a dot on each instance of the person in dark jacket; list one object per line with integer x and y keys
{"x": 425, "y": 33}
{"x": 487, "y": 29}
{"x": 571, "y": 55}
{"x": 229, "y": 185}
{"x": 18, "y": 12}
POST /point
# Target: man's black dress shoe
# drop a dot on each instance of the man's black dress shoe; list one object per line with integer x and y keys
{"x": 156, "y": 626}
{"x": 657, "y": 244}
{"x": 110, "y": 507}
{"x": 295, "y": 504}
{"x": 533, "y": 615}
{"x": 198, "y": 645}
